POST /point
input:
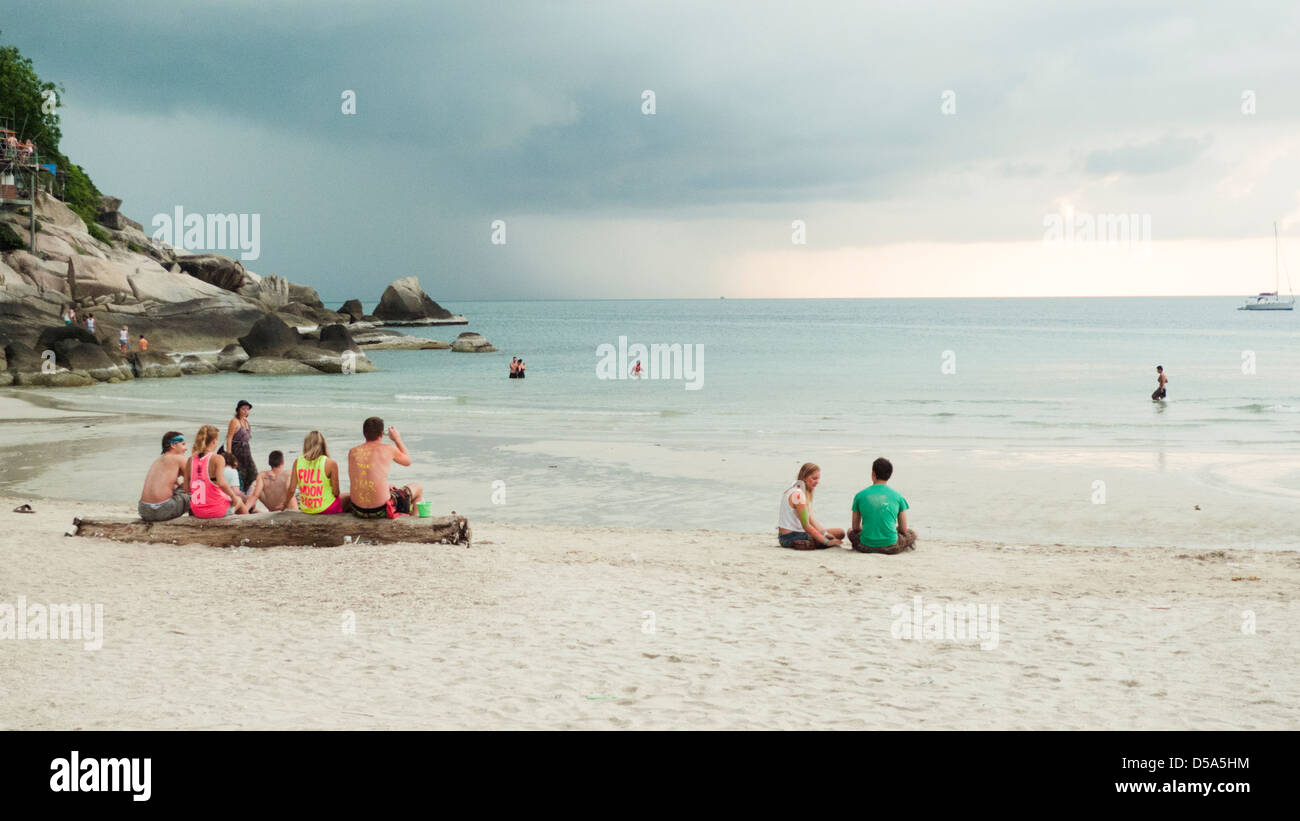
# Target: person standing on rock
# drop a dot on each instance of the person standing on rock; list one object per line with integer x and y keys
{"x": 239, "y": 435}
{"x": 90, "y": 323}
{"x": 125, "y": 338}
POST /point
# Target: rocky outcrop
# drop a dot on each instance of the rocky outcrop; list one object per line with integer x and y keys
{"x": 94, "y": 360}
{"x": 45, "y": 276}
{"x": 328, "y": 361}
{"x": 404, "y": 301}
{"x": 352, "y": 310}
{"x": 275, "y": 366}
{"x": 192, "y": 365}
{"x": 152, "y": 365}
{"x": 188, "y": 303}
{"x": 213, "y": 269}
{"x": 470, "y": 342}
{"x": 338, "y": 338}
{"x": 29, "y": 367}
{"x": 269, "y": 336}
{"x": 381, "y": 340}
{"x": 110, "y": 217}
{"x": 231, "y": 357}
{"x": 93, "y": 277}
{"x": 51, "y": 338}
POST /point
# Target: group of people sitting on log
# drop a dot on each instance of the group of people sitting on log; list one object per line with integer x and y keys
{"x": 212, "y": 482}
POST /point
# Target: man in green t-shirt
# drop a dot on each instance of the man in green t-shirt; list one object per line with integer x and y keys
{"x": 880, "y": 515}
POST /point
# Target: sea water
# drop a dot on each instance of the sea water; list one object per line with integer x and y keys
{"x": 1011, "y": 420}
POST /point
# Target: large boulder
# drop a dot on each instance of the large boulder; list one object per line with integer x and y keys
{"x": 352, "y": 310}
{"x": 110, "y": 216}
{"x": 404, "y": 300}
{"x": 376, "y": 339}
{"x": 328, "y": 361}
{"x": 213, "y": 269}
{"x": 338, "y": 338}
{"x": 29, "y": 368}
{"x": 192, "y": 365}
{"x": 306, "y": 295}
{"x": 269, "y": 336}
{"x": 98, "y": 277}
{"x": 94, "y": 360}
{"x": 47, "y": 276}
{"x": 272, "y": 291}
{"x": 152, "y": 365}
{"x": 470, "y": 342}
{"x": 231, "y": 357}
{"x": 150, "y": 281}
{"x": 54, "y": 211}
{"x": 276, "y": 366}
{"x": 307, "y": 316}
{"x": 51, "y": 338}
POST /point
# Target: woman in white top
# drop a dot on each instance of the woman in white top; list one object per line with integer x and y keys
{"x": 795, "y": 522}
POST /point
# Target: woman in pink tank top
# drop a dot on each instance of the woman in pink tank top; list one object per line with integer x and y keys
{"x": 209, "y": 499}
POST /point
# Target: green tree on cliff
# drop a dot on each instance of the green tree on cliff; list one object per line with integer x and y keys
{"x": 23, "y": 98}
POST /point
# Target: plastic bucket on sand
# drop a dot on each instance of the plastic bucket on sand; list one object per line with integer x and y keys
{"x": 424, "y": 509}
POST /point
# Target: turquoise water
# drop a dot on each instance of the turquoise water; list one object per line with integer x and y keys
{"x": 1038, "y": 395}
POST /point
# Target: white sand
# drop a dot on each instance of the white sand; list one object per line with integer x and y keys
{"x": 545, "y": 627}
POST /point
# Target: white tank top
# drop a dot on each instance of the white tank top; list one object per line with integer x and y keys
{"x": 788, "y": 517}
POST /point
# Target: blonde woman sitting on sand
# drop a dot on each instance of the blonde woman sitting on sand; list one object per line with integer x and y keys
{"x": 211, "y": 496}
{"x": 316, "y": 478}
{"x": 795, "y": 525}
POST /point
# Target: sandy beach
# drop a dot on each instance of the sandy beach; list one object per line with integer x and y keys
{"x": 607, "y": 628}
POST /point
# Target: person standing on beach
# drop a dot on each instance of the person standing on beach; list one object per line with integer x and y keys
{"x": 1161, "y": 381}
{"x": 368, "y": 465}
{"x": 164, "y": 495}
{"x": 211, "y": 496}
{"x": 276, "y": 494}
{"x": 239, "y": 435}
{"x": 880, "y": 515}
{"x": 795, "y": 523}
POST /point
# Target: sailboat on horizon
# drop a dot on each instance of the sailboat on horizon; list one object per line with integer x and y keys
{"x": 1272, "y": 300}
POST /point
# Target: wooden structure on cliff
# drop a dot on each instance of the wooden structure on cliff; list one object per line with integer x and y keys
{"x": 20, "y": 168}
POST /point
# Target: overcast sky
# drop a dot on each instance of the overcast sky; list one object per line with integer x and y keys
{"x": 835, "y": 114}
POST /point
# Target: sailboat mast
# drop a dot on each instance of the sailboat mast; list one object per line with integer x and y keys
{"x": 1277, "y": 278}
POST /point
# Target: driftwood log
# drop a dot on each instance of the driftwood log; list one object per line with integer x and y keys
{"x": 283, "y": 529}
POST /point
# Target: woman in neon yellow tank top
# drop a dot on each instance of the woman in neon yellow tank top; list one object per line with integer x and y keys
{"x": 316, "y": 478}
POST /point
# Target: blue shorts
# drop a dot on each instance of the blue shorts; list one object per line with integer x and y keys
{"x": 787, "y": 539}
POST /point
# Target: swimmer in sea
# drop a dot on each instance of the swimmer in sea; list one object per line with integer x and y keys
{"x": 1160, "y": 384}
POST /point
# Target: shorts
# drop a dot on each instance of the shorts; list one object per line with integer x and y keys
{"x": 335, "y": 507}
{"x": 788, "y": 539}
{"x": 906, "y": 541}
{"x": 171, "y": 508}
{"x": 398, "y": 497}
